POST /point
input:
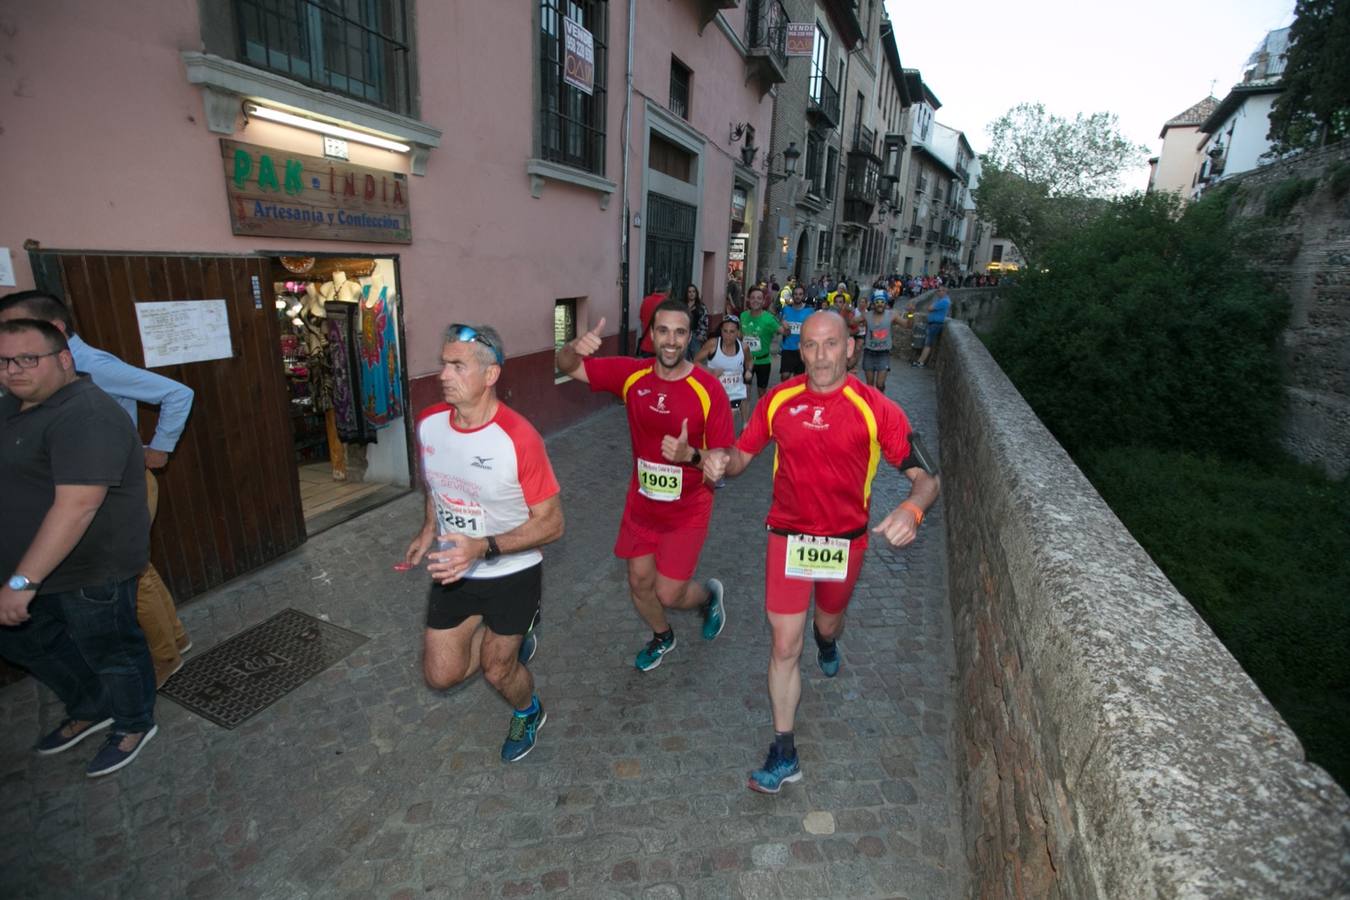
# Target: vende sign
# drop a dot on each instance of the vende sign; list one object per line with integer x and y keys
{"x": 578, "y": 56}
{"x": 801, "y": 38}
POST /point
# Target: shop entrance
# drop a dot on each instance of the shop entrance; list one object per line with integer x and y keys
{"x": 339, "y": 323}
{"x": 231, "y": 497}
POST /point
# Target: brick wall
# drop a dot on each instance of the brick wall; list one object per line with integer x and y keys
{"x": 1308, "y": 253}
{"x": 1112, "y": 746}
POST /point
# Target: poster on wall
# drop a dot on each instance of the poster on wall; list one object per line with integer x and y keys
{"x": 277, "y": 193}
{"x": 174, "y": 332}
{"x": 801, "y": 38}
{"x": 578, "y": 57}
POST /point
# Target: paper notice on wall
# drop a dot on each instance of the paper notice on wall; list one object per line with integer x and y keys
{"x": 184, "y": 331}
{"x": 578, "y": 56}
{"x": 6, "y": 268}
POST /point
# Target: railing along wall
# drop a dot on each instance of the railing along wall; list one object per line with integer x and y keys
{"x": 1112, "y": 746}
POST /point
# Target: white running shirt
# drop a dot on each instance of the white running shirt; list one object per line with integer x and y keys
{"x": 483, "y": 481}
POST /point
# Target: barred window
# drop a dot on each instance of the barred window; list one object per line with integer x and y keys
{"x": 679, "y": 88}
{"x": 572, "y": 122}
{"x": 358, "y": 48}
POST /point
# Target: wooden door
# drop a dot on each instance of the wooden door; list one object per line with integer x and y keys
{"x": 229, "y": 500}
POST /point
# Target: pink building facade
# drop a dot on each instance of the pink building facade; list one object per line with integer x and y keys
{"x": 221, "y": 132}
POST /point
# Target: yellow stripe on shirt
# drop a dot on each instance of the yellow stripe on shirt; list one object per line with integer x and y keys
{"x": 631, "y": 380}
{"x": 874, "y": 448}
{"x": 704, "y": 402}
{"x": 774, "y": 405}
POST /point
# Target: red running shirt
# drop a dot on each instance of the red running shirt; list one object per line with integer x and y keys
{"x": 829, "y": 447}
{"x": 657, "y": 408}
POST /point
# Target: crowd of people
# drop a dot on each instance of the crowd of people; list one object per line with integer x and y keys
{"x": 699, "y": 407}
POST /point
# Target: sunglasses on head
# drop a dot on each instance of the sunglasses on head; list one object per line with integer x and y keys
{"x": 468, "y": 333}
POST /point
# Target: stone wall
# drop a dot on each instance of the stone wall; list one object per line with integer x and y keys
{"x": 1113, "y": 748}
{"x": 978, "y": 307}
{"x": 1307, "y": 251}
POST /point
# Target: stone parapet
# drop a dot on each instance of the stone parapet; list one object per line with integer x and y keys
{"x": 1112, "y": 746}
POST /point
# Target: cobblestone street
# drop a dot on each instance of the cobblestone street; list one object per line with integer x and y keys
{"x": 365, "y": 783}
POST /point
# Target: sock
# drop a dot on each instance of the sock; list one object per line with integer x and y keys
{"x": 532, "y": 708}
{"x": 664, "y": 635}
{"x": 786, "y": 743}
{"x": 826, "y": 647}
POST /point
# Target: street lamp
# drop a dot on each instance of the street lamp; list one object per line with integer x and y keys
{"x": 790, "y": 157}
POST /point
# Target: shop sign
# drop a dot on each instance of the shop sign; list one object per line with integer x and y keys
{"x": 737, "y": 249}
{"x": 801, "y": 38}
{"x": 578, "y": 56}
{"x": 739, "y": 200}
{"x": 277, "y": 193}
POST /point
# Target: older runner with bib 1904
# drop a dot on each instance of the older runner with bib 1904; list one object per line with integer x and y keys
{"x": 832, "y": 432}
{"x": 669, "y": 402}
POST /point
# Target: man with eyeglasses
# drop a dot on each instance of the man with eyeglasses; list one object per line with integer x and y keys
{"x": 665, "y": 517}
{"x": 129, "y": 386}
{"x": 492, "y": 501}
{"x": 74, "y": 537}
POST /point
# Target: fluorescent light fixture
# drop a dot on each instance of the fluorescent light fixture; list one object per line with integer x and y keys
{"x": 276, "y": 115}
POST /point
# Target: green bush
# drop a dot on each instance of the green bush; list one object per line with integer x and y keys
{"x": 1284, "y": 195}
{"x": 1338, "y": 178}
{"x": 1262, "y": 551}
{"x": 1149, "y": 329}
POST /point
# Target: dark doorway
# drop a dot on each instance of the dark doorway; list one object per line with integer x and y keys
{"x": 799, "y": 267}
{"x": 670, "y": 242}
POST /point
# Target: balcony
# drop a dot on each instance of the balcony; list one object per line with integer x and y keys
{"x": 921, "y": 185}
{"x": 915, "y": 232}
{"x": 708, "y": 10}
{"x": 766, "y": 42}
{"x": 864, "y": 140}
{"x": 823, "y": 106}
{"x": 931, "y": 237}
{"x": 963, "y": 173}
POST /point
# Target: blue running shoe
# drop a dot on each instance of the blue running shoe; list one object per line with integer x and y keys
{"x": 828, "y": 660}
{"x": 649, "y": 657}
{"x": 530, "y": 645}
{"x": 778, "y": 770}
{"x": 524, "y": 727}
{"x": 115, "y": 753}
{"x": 714, "y": 611}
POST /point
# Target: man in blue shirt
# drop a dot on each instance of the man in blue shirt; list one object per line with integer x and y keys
{"x": 794, "y": 314}
{"x": 937, "y": 318}
{"x": 128, "y": 385}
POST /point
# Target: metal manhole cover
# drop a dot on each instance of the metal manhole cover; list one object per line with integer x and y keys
{"x": 256, "y": 668}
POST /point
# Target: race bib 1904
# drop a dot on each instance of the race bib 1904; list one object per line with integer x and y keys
{"x": 816, "y": 558}
{"x": 657, "y": 481}
{"x": 460, "y": 517}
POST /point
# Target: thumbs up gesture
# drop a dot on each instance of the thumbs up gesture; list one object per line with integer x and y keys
{"x": 586, "y": 344}
{"x": 676, "y": 449}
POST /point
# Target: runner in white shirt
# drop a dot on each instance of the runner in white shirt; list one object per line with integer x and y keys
{"x": 726, "y": 357}
{"x": 492, "y": 501}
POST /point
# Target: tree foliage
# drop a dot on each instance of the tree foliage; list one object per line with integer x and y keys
{"x": 1149, "y": 330}
{"x": 1314, "y": 106}
{"x": 1044, "y": 175}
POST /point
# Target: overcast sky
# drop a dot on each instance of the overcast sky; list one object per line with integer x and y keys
{"x": 1145, "y": 61}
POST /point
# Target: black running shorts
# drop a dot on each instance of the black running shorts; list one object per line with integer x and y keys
{"x": 507, "y": 604}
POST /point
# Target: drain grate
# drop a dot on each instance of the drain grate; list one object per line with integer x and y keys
{"x": 256, "y": 668}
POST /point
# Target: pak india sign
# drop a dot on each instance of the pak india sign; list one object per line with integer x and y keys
{"x": 276, "y": 193}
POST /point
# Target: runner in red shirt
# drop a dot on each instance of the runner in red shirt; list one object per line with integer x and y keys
{"x": 676, "y": 410}
{"x": 492, "y": 501}
{"x": 832, "y": 432}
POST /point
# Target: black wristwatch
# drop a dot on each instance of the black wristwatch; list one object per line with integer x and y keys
{"x": 696, "y": 459}
{"x": 493, "y": 551}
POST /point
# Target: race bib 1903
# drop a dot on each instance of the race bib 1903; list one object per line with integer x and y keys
{"x": 816, "y": 558}
{"x": 657, "y": 481}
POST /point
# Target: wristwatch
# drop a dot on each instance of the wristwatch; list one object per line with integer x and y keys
{"x": 493, "y": 551}
{"x": 696, "y": 459}
{"x": 21, "y": 583}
